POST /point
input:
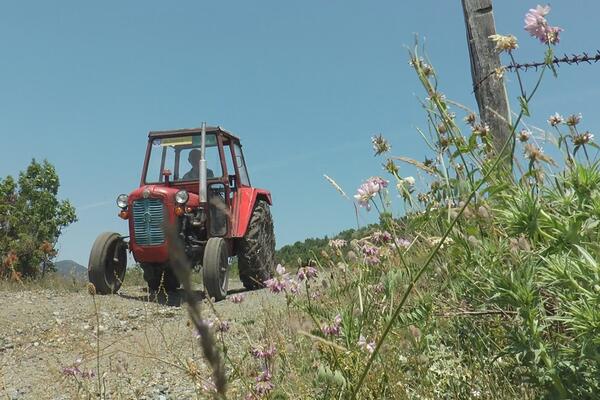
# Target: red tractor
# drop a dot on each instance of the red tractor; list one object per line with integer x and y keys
{"x": 195, "y": 180}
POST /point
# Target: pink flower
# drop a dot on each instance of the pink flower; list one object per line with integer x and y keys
{"x": 306, "y": 273}
{"x": 280, "y": 283}
{"x": 368, "y": 190}
{"x": 367, "y": 346}
{"x": 381, "y": 237}
{"x": 263, "y": 384}
{"x": 334, "y": 329}
{"x": 237, "y": 298}
{"x": 537, "y": 25}
{"x": 264, "y": 351}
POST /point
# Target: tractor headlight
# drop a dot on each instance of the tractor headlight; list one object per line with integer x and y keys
{"x": 181, "y": 197}
{"x": 122, "y": 200}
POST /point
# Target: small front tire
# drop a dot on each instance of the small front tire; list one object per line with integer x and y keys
{"x": 108, "y": 262}
{"x": 215, "y": 268}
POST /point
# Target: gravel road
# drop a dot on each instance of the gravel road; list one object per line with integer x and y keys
{"x": 48, "y": 342}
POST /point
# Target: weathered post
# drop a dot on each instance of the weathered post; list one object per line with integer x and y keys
{"x": 490, "y": 93}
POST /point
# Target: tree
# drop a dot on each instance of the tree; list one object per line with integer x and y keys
{"x": 31, "y": 219}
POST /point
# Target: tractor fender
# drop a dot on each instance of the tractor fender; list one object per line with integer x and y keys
{"x": 246, "y": 198}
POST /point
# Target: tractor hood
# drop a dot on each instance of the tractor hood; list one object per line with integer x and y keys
{"x": 165, "y": 193}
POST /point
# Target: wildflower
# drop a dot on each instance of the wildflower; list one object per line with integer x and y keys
{"x": 555, "y": 119}
{"x": 307, "y": 273}
{"x": 402, "y": 243}
{"x": 481, "y": 130}
{"x": 381, "y": 237}
{"x": 91, "y": 289}
{"x": 265, "y": 352}
{"x": 524, "y": 135}
{"x": 423, "y": 197}
{"x": 537, "y": 25}
{"x": 367, "y": 346}
{"x": 504, "y": 42}
{"x": 470, "y": 119}
{"x": 378, "y": 181}
{"x": 337, "y": 244}
{"x": 534, "y": 153}
{"x": 368, "y": 190}
{"x": 237, "y": 298}
{"x": 499, "y": 72}
{"x": 380, "y": 144}
{"x": 293, "y": 286}
{"x": 441, "y": 128}
{"x": 333, "y": 329}
{"x": 280, "y": 283}
{"x": 436, "y": 96}
{"x": 409, "y": 180}
{"x": 419, "y": 63}
{"x": 573, "y": 119}
{"x": 391, "y": 167}
{"x": 583, "y": 138}
{"x": 443, "y": 142}
{"x": 263, "y": 384}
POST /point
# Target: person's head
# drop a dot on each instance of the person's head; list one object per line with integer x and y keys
{"x": 194, "y": 157}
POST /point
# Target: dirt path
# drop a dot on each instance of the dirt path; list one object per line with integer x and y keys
{"x": 145, "y": 347}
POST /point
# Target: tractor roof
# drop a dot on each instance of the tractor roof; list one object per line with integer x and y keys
{"x": 192, "y": 131}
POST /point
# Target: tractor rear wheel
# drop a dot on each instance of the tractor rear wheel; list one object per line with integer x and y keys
{"x": 160, "y": 276}
{"x": 256, "y": 256}
{"x": 108, "y": 261}
{"x": 215, "y": 268}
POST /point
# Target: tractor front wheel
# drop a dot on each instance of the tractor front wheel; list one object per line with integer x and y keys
{"x": 108, "y": 261}
{"x": 256, "y": 256}
{"x": 215, "y": 268}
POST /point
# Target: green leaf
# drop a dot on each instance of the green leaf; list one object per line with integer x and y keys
{"x": 524, "y": 105}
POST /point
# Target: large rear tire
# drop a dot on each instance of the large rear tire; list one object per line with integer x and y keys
{"x": 108, "y": 262}
{"x": 256, "y": 256}
{"x": 215, "y": 268}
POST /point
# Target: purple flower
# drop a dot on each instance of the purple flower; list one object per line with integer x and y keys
{"x": 74, "y": 370}
{"x": 334, "y": 329}
{"x": 307, "y": 273}
{"x": 264, "y": 351}
{"x": 537, "y": 25}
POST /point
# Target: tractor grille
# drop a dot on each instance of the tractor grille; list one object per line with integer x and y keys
{"x": 148, "y": 216}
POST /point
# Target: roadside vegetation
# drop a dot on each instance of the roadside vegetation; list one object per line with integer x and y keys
{"x": 487, "y": 287}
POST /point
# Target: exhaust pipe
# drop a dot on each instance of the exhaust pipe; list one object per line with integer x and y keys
{"x": 202, "y": 190}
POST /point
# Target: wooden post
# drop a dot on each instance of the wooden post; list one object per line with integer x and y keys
{"x": 490, "y": 94}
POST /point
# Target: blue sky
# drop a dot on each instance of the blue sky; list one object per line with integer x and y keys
{"x": 304, "y": 84}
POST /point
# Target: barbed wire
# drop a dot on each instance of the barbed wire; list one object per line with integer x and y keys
{"x": 566, "y": 59}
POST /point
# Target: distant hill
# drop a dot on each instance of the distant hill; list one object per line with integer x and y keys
{"x": 70, "y": 268}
